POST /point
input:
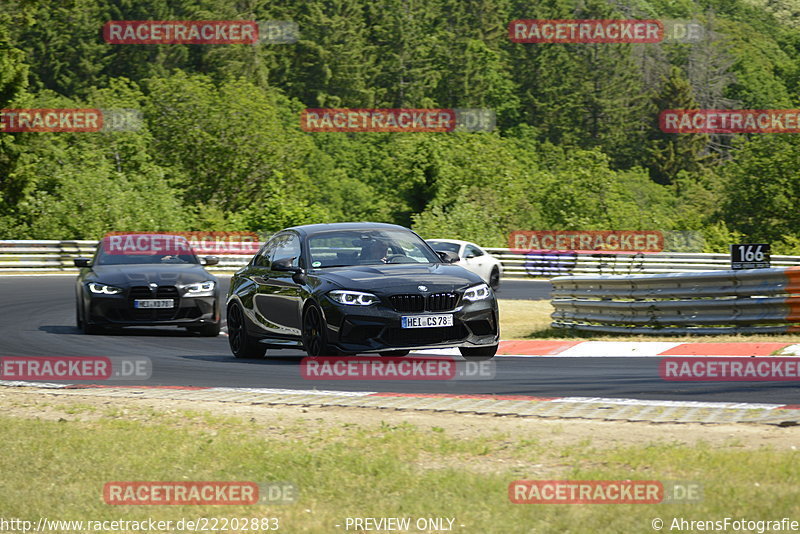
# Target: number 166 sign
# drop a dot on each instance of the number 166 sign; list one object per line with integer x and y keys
{"x": 750, "y": 256}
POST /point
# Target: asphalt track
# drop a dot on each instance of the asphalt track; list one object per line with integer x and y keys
{"x": 38, "y": 319}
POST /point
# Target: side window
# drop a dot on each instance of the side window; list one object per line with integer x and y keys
{"x": 287, "y": 246}
{"x": 472, "y": 251}
{"x": 262, "y": 258}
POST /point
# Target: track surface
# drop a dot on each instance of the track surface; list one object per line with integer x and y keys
{"x": 39, "y": 320}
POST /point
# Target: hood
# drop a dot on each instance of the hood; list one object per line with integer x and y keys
{"x": 163, "y": 275}
{"x": 400, "y": 277}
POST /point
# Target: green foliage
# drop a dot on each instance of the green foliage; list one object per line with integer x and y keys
{"x": 230, "y": 146}
{"x": 763, "y": 188}
{"x": 669, "y": 154}
{"x": 577, "y": 144}
{"x": 68, "y": 185}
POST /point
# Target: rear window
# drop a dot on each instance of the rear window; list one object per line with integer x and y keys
{"x": 443, "y": 245}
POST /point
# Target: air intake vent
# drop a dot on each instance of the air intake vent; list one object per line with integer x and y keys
{"x": 408, "y": 303}
{"x": 437, "y": 302}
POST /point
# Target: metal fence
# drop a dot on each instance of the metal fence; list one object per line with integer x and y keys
{"x": 518, "y": 264}
{"x": 746, "y": 301}
{"x": 57, "y": 256}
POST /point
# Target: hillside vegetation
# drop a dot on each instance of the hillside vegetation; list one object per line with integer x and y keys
{"x": 577, "y": 143}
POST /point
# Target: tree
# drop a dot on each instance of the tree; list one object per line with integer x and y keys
{"x": 671, "y": 153}
{"x": 762, "y": 188}
{"x": 13, "y": 81}
{"x": 407, "y": 37}
{"x": 234, "y": 146}
{"x": 81, "y": 185}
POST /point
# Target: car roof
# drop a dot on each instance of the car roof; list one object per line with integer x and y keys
{"x": 454, "y": 241}
{"x": 310, "y": 229}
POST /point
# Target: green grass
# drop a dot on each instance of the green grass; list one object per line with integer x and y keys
{"x": 530, "y": 319}
{"x": 58, "y": 469}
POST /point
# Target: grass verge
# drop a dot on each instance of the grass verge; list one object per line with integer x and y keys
{"x": 57, "y": 468}
{"x": 530, "y": 319}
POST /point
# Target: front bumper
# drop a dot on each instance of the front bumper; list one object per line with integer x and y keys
{"x": 118, "y": 310}
{"x": 378, "y": 328}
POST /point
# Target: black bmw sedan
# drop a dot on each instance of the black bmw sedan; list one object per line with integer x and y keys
{"x": 349, "y": 288}
{"x": 135, "y": 288}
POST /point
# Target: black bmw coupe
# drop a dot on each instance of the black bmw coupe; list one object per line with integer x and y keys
{"x": 120, "y": 288}
{"x": 349, "y": 288}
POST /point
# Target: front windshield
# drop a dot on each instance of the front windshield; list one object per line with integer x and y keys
{"x": 368, "y": 247}
{"x": 106, "y": 258}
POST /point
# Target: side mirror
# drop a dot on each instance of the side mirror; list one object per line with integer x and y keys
{"x": 470, "y": 256}
{"x": 82, "y": 262}
{"x": 447, "y": 256}
{"x": 285, "y": 265}
{"x": 211, "y": 260}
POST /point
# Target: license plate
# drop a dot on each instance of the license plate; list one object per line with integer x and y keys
{"x": 154, "y": 303}
{"x": 427, "y": 321}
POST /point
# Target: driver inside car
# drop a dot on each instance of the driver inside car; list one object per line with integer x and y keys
{"x": 375, "y": 251}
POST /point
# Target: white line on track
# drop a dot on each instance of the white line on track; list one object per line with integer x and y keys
{"x": 668, "y": 403}
{"x": 562, "y": 400}
{"x": 300, "y": 392}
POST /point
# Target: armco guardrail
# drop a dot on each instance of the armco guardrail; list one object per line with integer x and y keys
{"x": 57, "y": 256}
{"x": 521, "y": 264}
{"x": 747, "y": 301}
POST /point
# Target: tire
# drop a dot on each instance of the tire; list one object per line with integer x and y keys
{"x": 207, "y": 330}
{"x": 494, "y": 278}
{"x": 242, "y": 344}
{"x": 478, "y": 353}
{"x": 315, "y": 333}
{"x": 83, "y": 324}
{"x": 394, "y": 353}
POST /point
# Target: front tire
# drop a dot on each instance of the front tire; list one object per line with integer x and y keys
{"x": 494, "y": 279}
{"x": 315, "y": 333}
{"x": 207, "y": 330}
{"x": 83, "y": 323}
{"x": 478, "y": 353}
{"x": 242, "y": 344}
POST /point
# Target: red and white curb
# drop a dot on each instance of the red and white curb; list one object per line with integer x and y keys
{"x": 598, "y": 408}
{"x": 631, "y": 349}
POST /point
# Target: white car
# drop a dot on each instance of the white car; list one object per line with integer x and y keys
{"x": 472, "y": 258}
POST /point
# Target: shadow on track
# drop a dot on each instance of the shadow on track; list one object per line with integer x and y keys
{"x": 228, "y": 358}
{"x": 119, "y": 331}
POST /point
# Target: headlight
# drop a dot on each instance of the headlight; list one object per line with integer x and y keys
{"x": 353, "y": 298}
{"x": 479, "y": 292}
{"x": 199, "y": 287}
{"x": 102, "y": 289}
